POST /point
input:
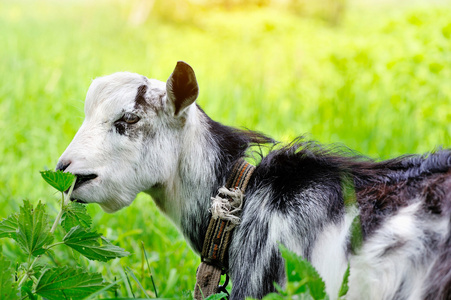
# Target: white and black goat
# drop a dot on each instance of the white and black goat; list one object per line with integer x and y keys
{"x": 142, "y": 134}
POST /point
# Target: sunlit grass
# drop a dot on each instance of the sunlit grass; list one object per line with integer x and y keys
{"x": 378, "y": 83}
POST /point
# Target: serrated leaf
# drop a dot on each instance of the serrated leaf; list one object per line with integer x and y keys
{"x": 58, "y": 179}
{"x": 92, "y": 245}
{"x": 75, "y": 214}
{"x": 68, "y": 283}
{"x": 7, "y": 284}
{"x": 9, "y": 226}
{"x": 302, "y": 275}
{"x": 344, "y": 284}
{"x": 34, "y": 230}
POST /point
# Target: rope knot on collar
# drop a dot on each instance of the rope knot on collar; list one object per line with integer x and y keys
{"x": 227, "y": 205}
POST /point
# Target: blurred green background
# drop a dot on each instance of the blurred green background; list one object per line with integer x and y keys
{"x": 373, "y": 75}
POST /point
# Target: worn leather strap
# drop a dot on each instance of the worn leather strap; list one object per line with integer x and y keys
{"x": 207, "y": 280}
{"x": 218, "y": 237}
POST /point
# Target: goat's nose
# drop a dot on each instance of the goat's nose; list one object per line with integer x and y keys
{"x": 62, "y": 165}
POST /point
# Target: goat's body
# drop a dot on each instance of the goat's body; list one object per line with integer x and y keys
{"x": 295, "y": 197}
{"x": 165, "y": 145}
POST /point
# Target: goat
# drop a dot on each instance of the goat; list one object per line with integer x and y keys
{"x": 142, "y": 134}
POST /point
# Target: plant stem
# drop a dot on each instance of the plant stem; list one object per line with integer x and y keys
{"x": 30, "y": 267}
{"x": 67, "y": 198}
{"x": 57, "y": 220}
{"x": 64, "y": 200}
{"x": 25, "y": 277}
{"x": 53, "y": 245}
{"x": 34, "y": 261}
{"x": 150, "y": 270}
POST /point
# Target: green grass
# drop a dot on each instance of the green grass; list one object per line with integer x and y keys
{"x": 379, "y": 83}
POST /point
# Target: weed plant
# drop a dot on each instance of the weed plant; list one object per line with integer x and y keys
{"x": 30, "y": 229}
{"x": 379, "y": 83}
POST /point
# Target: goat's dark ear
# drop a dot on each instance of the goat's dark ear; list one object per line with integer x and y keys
{"x": 181, "y": 87}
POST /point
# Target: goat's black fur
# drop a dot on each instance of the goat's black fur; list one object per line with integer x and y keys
{"x": 381, "y": 190}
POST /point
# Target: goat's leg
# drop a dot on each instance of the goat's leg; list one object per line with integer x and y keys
{"x": 254, "y": 271}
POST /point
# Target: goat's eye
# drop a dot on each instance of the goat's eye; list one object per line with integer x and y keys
{"x": 130, "y": 118}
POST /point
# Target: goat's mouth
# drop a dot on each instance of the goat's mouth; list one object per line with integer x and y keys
{"x": 83, "y": 179}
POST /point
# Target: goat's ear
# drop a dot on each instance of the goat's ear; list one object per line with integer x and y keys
{"x": 181, "y": 87}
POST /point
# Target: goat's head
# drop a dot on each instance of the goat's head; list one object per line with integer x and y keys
{"x": 129, "y": 140}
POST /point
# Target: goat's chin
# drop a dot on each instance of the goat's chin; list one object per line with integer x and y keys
{"x": 109, "y": 200}
{"x": 108, "y": 208}
{"x": 113, "y": 205}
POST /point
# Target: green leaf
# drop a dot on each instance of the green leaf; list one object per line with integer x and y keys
{"x": 302, "y": 275}
{"x": 348, "y": 190}
{"x": 279, "y": 289}
{"x": 9, "y": 227}
{"x": 274, "y": 296}
{"x": 92, "y": 245}
{"x": 58, "y": 179}
{"x": 113, "y": 285}
{"x": 344, "y": 285}
{"x": 68, "y": 283}
{"x": 34, "y": 231}
{"x": 27, "y": 289}
{"x": 8, "y": 288}
{"x": 218, "y": 296}
{"x": 356, "y": 235}
{"x": 75, "y": 214}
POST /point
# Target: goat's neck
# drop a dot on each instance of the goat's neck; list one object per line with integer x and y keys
{"x": 203, "y": 167}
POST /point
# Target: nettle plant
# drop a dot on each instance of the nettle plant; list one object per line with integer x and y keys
{"x": 31, "y": 230}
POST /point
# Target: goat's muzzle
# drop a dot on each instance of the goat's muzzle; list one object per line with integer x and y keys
{"x": 83, "y": 178}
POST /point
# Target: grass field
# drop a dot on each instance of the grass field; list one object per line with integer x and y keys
{"x": 379, "y": 82}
